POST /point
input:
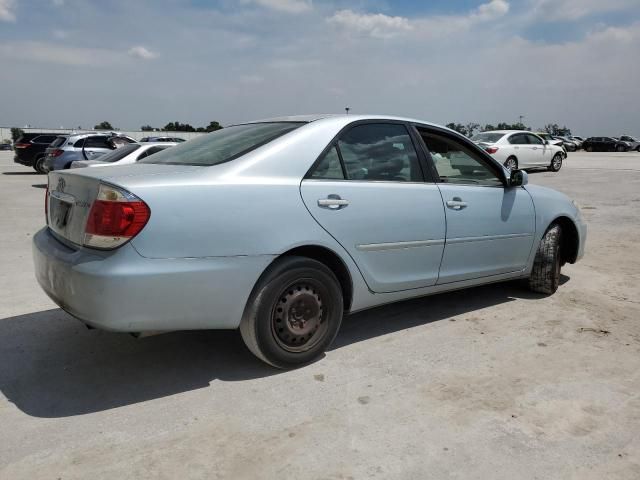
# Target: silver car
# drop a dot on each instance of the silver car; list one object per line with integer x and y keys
{"x": 81, "y": 146}
{"x": 281, "y": 227}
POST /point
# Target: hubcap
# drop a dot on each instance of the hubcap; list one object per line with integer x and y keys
{"x": 557, "y": 162}
{"x": 511, "y": 164}
{"x": 298, "y": 318}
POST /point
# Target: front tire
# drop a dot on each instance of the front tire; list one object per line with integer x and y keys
{"x": 620, "y": 148}
{"x": 294, "y": 313}
{"x": 545, "y": 276}
{"x": 556, "y": 162}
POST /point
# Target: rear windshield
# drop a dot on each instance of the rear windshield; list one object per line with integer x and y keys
{"x": 119, "y": 153}
{"x": 222, "y": 145}
{"x": 487, "y": 137}
{"x": 58, "y": 141}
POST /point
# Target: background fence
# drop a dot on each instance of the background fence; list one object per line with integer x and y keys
{"x": 5, "y": 133}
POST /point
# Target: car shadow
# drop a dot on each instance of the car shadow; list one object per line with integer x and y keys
{"x": 52, "y": 366}
{"x": 39, "y": 185}
{"x": 21, "y": 173}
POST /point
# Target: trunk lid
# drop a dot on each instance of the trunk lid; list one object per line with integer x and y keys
{"x": 69, "y": 201}
{"x": 71, "y": 193}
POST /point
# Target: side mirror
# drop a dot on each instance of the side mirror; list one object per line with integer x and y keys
{"x": 519, "y": 178}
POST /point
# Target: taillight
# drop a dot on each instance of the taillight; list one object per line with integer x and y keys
{"x": 491, "y": 149}
{"x": 57, "y": 152}
{"x": 22, "y": 145}
{"x": 116, "y": 217}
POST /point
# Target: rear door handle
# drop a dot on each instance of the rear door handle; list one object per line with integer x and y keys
{"x": 456, "y": 203}
{"x": 333, "y": 202}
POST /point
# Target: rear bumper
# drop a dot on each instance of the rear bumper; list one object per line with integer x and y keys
{"x": 27, "y": 162}
{"x": 122, "y": 291}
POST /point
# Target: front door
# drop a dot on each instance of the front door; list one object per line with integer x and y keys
{"x": 368, "y": 192}
{"x": 490, "y": 228}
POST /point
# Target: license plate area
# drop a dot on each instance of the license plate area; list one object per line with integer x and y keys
{"x": 60, "y": 208}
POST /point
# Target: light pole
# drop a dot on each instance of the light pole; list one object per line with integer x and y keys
{"x": 346, "y": 109}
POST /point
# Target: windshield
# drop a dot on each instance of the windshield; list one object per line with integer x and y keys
{"x": 487, "y": 137}
{"x": 222, "y": 145}
{"x": 119, "y": 153}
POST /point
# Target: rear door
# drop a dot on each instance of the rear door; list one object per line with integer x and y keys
{"x": 95, "y": 146}
{"x": 490, "y": 228}
{"x": 368, "y": 192}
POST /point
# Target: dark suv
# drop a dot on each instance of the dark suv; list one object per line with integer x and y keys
{"x": 605, "y": 144}
{"x": 29, "y": 149}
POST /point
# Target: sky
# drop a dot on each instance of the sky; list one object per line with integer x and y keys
{"x": 76, "y": 63}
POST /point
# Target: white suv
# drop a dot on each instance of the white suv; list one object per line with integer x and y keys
{"x": 520, "y": 149}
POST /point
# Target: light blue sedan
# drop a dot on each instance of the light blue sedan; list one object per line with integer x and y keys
{"x": 280, "y": 227}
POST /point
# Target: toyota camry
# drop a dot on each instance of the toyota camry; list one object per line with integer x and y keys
{"x": 281, "y": 227}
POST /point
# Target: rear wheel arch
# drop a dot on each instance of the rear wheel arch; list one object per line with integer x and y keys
{"x": 570, "y": 240}
{"x": 332, "y": 261}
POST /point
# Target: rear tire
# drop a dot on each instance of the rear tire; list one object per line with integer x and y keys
{"x": 293, "y": 314}
{"x": 38, "y": 166}
{"x": 589, "y": 148}
{"x": 511, "y": 163}
{"x": 620, "y": 148}
{"x": 556, "y": 162}
{"x": 545, "y": 276}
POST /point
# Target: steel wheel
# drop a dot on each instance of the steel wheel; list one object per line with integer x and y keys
{"x": 297, "y": 321}
{"x": 294, "y": 312}
{"x": 511, "y": 164}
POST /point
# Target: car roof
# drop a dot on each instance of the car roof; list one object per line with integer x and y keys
{"x": 505, "y": 132}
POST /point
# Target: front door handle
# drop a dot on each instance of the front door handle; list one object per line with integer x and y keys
{"x": 456, "y": 203}
{"x": 333, "y": 202}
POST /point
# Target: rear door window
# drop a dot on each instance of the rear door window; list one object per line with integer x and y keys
{"x": 379, "y": 152}
{"x": 97, "y": 142}
{"x": 44, "y": 139}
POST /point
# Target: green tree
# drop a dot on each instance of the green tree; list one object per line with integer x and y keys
{"x": 147, "y": 128}
{"x": 213, "y": 126}
{"x": 557, "y": 130}
{"x": 178, "y": 127}
{"x": 103, "y": 126}
{"x": 458, "y": 127}
{"x": 16, "y": 133}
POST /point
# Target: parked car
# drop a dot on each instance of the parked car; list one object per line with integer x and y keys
{"x": 280, "y": 227}
{"x": 578, "y": 141}
{"x": 82, "y": 146}
{"x": 130, "y": 153}
{"x": 162, "y": 139}
{"x": 6, "y": 145}
{"x": 633, "y": 143}
{"x": 605, "y": 144}
{"x": 518, "y": 149}
{"x": 552, "y": 141}
{"x": 30, "y": 149}
{"x": 568, "y": 144}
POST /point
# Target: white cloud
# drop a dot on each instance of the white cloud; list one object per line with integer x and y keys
{"x": 59, "y": 34}
{"x": 289, "y": 6}
{"x": 142, "y": 53}
{"x": 6, "y": 11}
{"x": 62, "y": 55}
{"x": 562, "y": 10}
{"x": 374, "y": 24}
{"x": 491, "y": 10}
{"x": 383, "y": 26}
